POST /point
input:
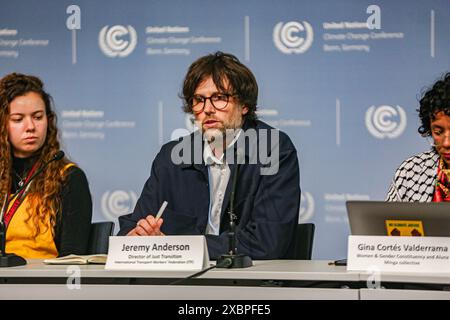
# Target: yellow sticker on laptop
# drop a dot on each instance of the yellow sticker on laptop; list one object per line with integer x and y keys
{"x": 410, "y": 228}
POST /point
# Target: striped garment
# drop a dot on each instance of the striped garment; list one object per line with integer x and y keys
{"x": 415, "y": 179}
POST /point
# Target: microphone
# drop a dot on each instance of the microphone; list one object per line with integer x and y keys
{"x": 58, "y": 156}
{"x": 233, "y": 260}
{"x": 11, "y": 259}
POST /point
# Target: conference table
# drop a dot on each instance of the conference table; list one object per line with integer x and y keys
{"x": 265, "y": 280}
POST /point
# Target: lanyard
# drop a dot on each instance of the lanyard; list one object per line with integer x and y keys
{"x": 19, "y": 198}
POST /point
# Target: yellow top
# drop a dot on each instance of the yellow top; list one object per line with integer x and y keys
{"x": 19, "y": 234}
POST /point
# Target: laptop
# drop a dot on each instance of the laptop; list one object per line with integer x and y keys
{"x": 380, "y": 218}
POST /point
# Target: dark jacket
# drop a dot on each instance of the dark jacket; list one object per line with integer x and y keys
{"x": 267, "y": 206}
{"x": 73, "y": 226}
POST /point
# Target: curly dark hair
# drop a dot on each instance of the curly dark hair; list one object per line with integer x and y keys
{"x": 222, "y": 67}
{"x": 436, "y": 99}
{"x": 45, "y": 201}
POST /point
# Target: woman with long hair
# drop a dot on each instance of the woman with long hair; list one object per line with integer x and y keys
{"x": 51, "y": 214}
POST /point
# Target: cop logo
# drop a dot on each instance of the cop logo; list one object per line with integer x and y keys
{"x": 306, "y": 207}
{"x": 293, "y": 36}
{"x": 386, "y": 121}
{"x": 117, "y": 41}
{"x": 117, "y": 203}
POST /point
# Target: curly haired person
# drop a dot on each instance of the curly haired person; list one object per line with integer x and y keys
{"x": 425, "y": 177}
{"x": 50, "y": 215}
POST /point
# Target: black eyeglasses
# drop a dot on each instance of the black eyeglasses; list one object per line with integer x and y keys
{"x": 218, "y": 100}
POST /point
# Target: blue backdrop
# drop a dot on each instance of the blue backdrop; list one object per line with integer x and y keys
{"x": 342, "y": 78}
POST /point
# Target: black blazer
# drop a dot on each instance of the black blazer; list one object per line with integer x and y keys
{"x": 267, "y": 206}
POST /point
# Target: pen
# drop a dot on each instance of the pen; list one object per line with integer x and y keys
{"x": 342, "y": 262}
{"x": 161, "y": 210}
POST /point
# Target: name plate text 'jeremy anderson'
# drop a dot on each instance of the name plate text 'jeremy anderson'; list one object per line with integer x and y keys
{"x": 157, "y": 253}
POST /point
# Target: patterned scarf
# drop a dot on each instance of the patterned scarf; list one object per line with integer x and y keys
{"x": 442, "y": 186}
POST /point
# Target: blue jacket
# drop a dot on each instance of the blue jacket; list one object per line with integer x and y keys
{"x": 267, "y": 206}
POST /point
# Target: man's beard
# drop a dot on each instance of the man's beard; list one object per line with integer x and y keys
{"x": 227, "y": 131}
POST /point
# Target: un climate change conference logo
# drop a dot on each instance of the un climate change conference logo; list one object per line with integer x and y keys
{"x": 306, "y": 207}
{"x": 288, "y": 36}
{"x": 113, "y": 43}
{"x": 381, "y": 121}
{"x": 117, "y": 203}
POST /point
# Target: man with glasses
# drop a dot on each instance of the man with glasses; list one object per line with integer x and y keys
{"x": 425, "y": 177}
{"x": 195, "y": 175}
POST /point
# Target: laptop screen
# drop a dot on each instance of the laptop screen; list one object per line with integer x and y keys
{"x": 399, "y": 218}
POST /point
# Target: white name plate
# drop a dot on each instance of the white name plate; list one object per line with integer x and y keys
{"x": 182, "y": 253}
{"x": 399, "y": 254}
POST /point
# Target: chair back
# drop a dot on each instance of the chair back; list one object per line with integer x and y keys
{"x": 99, "y": 237}
{"x": 302, "y": 247}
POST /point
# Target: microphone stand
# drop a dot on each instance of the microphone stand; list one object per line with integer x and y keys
{"x": 11, "y": 259}
{"x": 7, "y": 259}
{"x": 233, "y": 260}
